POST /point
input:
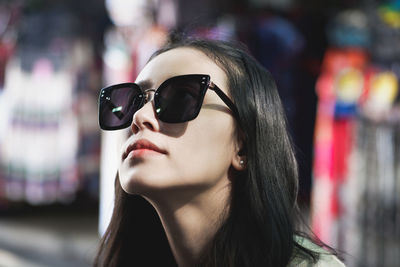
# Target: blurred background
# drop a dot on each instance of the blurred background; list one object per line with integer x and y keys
{"x": 337, "y": 66}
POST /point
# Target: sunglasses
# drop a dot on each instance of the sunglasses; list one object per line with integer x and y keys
{"x": 178, "y": 99}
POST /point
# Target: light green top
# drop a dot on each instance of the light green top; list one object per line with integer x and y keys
{"x": 325, "y": 258}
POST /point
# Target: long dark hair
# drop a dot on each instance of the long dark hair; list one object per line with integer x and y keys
{"x": 260, "y": 229}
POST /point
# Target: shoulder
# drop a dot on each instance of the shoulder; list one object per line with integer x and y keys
{"x": 325, "y": 258}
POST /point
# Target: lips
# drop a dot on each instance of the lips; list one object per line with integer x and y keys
{"x": 142, "y": 144}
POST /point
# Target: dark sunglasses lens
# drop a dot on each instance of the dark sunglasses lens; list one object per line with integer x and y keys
{"x": 179, "y": 99}
{"x": 117, "y": 106}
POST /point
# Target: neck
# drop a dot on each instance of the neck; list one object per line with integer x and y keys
{"x": 191, "y": 222}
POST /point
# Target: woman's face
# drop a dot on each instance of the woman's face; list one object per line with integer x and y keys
{"x": 193, "y": 156}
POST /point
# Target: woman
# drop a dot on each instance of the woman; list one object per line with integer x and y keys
{"x": 208, "y": 176}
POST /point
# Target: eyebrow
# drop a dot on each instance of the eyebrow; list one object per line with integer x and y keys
{"x": 145, "y": 84}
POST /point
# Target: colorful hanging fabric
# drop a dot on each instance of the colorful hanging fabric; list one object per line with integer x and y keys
{"x": 339, "y": 89}
{"x": 38, "y": 149}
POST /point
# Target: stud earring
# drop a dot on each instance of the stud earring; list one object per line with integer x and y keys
{"x": 241, "y": 162}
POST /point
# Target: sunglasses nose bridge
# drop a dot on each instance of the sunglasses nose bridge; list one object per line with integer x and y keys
{"x": 149, "y": 95}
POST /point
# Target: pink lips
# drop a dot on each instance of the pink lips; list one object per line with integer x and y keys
{"x": 142, "y": 147}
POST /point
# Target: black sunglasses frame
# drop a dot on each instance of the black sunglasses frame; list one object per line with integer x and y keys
{"x": 204, "y": 78}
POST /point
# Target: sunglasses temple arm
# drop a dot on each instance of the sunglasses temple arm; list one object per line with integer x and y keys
{"x": 225, "y": 98}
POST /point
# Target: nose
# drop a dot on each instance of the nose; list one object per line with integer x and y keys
{"x": 145, "y": 117}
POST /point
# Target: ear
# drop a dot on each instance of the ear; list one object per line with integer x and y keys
{"x": 239, "y": 160}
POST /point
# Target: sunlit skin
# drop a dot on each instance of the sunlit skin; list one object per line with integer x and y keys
{"x": 188, "y": 179}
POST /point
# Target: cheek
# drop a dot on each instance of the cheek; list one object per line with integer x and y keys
{"x": 206, "y": 149}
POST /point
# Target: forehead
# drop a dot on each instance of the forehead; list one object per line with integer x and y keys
{"x": 181, "y": 61}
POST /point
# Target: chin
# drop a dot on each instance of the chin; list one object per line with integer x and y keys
{"x": 144, "y": 186}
